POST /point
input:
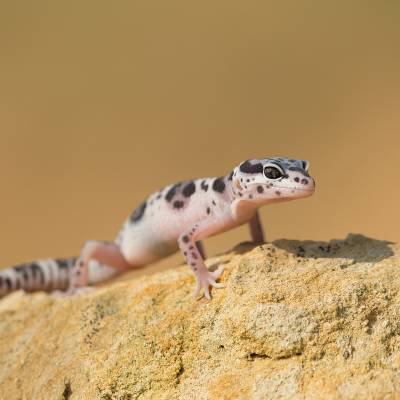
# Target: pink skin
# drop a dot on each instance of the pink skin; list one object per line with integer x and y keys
{"x": 107, "y": 253}
{"x": 177, "y": 217}
{"x": 245, "y": 191}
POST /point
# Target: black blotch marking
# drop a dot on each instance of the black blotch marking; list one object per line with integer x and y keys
{"x": 214, "y": 203}
{"x": 230, "y": 176}
{"x": 36, "y": 270}
{"x": 278, "y": 192}
{"x": 204, "y": 186}
{"x": 171, "y": 192}
{"x": 185, "y": 239}
{"x": 189, "y": 189}
{"x": 178, "y": 204}
{"x": 17, "y": 284}
{"x": 184, "y": 253}
{"x": 219, "y": 185}
{"x": 137, "y": 215}
{"x": 260, "y": 189}
{"x": 297, "y": 179}
{"x": 193, "y": 264}
{"x": 208, "y": 210}
{"x": 194, "y": 256}
{"x": 249, "y": 168}
{"x": 8, "y": 283}
{"x": 158, "y": 196}
{"x": 22, "y": 270}
{"x": 240, "y": 194}
{"x": 250, "y": 196}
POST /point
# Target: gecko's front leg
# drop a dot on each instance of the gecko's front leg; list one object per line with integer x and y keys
{"x": 187, "y": 244}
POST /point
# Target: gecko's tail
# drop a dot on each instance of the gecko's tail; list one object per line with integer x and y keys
{"x": 47, "y": 275}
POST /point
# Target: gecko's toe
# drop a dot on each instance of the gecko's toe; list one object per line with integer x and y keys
{"x": 217, "y": 285}
{"x": 207, "y": 293}
{"x": 217, "y": 273}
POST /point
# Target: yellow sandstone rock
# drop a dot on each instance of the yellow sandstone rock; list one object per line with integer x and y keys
{"x": 296, "y": 320}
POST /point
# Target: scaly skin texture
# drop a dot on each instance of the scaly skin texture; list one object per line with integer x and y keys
{"x": 178, "y": 216}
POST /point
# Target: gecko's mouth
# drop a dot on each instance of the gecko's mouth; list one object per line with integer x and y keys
{"x": 295, "y": 188}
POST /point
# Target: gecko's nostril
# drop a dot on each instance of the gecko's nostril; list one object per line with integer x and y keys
{"x": 304, "y": 181}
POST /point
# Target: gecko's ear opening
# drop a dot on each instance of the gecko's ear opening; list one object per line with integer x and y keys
{"x": 305, "y": 165}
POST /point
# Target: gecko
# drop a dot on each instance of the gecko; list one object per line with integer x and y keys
{"x": 177, "y": 217}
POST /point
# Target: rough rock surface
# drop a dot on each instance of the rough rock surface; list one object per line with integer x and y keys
{"x": 296, "y": 320}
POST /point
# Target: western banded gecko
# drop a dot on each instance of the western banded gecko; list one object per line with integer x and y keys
{"x": 178, "y": 216}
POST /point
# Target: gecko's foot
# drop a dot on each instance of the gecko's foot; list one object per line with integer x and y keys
{"x": 207, "y": 279}
{"x": 73, "y": 291}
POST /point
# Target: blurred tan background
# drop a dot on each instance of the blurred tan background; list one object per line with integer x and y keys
{"x": 103, "y": 102}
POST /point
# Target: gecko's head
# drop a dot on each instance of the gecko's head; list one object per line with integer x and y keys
{"x": 272, "y": 179}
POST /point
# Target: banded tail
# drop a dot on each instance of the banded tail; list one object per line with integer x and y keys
{"x": 46, "y": 275}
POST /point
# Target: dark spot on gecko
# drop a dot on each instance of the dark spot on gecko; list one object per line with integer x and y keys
{"x": 171, "y": 192}
{"x": 35, "y": 268}
{"x": 230, "y": 176}
{"x": 193, "y": 264}
{"x": 278, "y": 192}
{"x": 260, "y": 189}
{"x": 189, "y": 189}
{"x": 178, "y": 204}
{"x": 185, "y": 239}
{"x": 249, "y": 168}
{"x": 240, "y": 194}
{"x": 250, "y": 196}
{"x": 65, "y": 263}
{"x": 8, "y": 283}
{"x": 297, "y": 179}
{"x": 204, "y": 186}
{"x": 194, "y": 256}
{"x": 1, "y": 281}
{"x": 158, "y": 196}
{"x": 208, "y": 210}
{"x": 214, "y": 203}
{"x": 137, "y": 215}
{"x": 191, "y": 247}
{"x": 184, "y": 253}
{"x": 219, "y": 185}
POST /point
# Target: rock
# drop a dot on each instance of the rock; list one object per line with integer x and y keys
{"x": 296, "y": 320}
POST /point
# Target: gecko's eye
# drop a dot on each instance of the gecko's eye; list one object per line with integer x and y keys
{"x": 272, "y": 173}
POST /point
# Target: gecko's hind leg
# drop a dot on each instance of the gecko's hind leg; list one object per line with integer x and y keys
{"x": 106, "y": 253}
